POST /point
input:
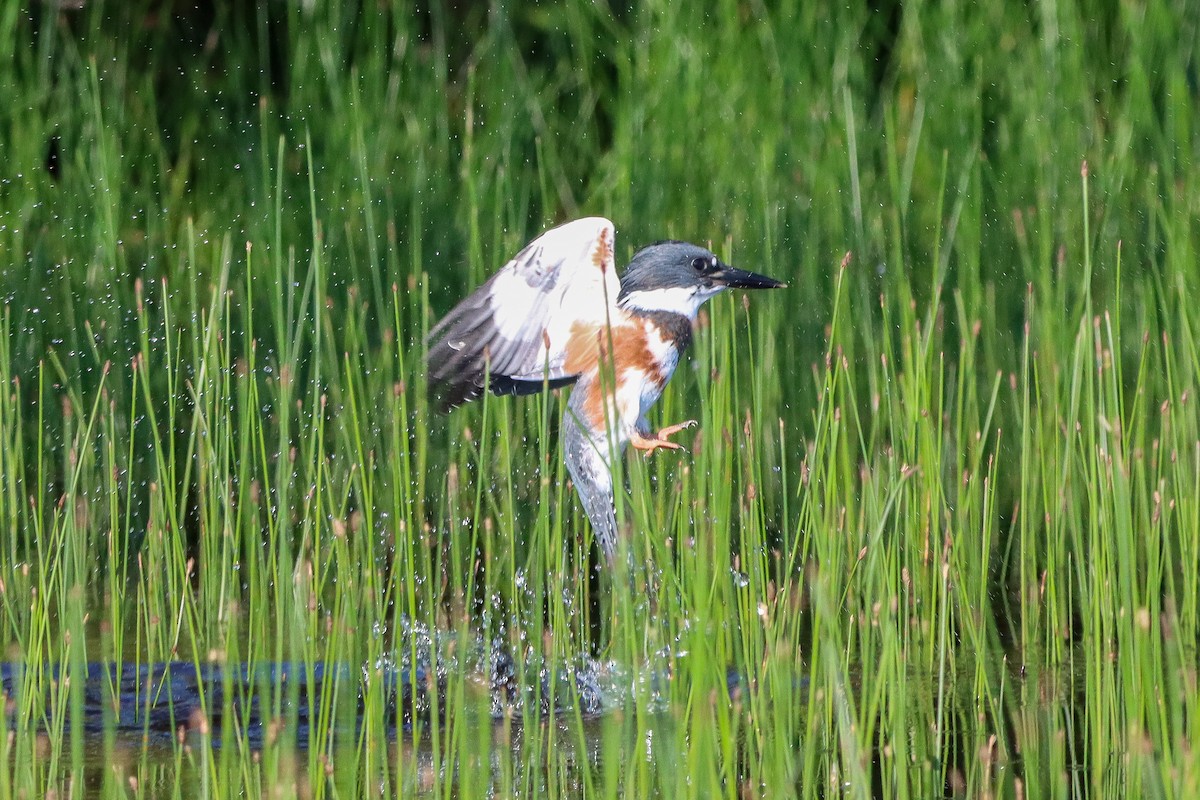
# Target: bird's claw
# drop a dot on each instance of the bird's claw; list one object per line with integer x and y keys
{"x": 671, "y": 430}
{"x": 648, "y": 444}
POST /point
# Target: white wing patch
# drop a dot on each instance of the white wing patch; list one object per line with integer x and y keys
{"x": 569, "y": 274}
{"x": 517, "y": 326}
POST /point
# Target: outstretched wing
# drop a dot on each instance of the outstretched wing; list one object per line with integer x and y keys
{"x": 515, "y": 331}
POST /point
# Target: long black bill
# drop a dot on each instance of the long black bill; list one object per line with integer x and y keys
{"x": 742, "y": 279}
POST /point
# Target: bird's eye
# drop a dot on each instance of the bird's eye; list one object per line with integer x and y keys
{"x": 700, "y": 264}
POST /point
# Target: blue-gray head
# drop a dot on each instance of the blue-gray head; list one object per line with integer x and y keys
{"x": 679, "y": 277}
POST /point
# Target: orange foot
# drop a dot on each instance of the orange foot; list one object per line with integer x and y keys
{"x": 648, "y": 444}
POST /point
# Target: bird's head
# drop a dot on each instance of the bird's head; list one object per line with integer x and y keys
{"x": 678, "y": 277}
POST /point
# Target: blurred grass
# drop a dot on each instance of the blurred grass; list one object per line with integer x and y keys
{"x": 941, "y": 513}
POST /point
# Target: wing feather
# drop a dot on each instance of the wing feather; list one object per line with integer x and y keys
{"x": 513, "y": 332}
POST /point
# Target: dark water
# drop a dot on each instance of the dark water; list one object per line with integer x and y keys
{"x": 163, "y": 727}
{"x": 162, "y": 701}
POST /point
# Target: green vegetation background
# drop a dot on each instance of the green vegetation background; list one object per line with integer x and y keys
{"x": 942, "y": 512}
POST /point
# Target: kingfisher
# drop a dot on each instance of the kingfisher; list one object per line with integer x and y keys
{"x": 557, "y": 315}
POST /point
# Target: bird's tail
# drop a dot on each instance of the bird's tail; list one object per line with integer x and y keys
{"x": 588, "y": 462}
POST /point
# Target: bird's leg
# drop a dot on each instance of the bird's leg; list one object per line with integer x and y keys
{"x": 649, "y": 443}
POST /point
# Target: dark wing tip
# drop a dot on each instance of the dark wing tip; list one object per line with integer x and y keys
{"x": 454, "y": 370}
{"x": 447, "y": 398}
{"x": 453, "y": 382}
{"x": 504, "y": 385}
